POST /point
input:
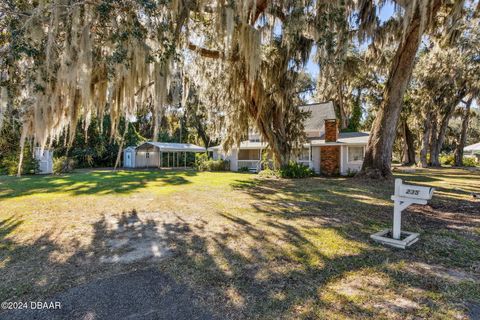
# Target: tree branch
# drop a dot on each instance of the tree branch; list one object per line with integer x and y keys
{"x": 208, "y": 53}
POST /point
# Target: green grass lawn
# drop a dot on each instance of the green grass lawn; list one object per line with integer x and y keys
{"x": 250, "y": 247}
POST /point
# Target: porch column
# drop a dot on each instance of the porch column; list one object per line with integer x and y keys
{"x": 310, "y": 164}
{"x": 259, "y": 164}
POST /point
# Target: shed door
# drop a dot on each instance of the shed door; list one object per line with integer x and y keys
{"x": 128, "y": 160}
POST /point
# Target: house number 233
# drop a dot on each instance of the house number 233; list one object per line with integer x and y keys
{"x": 412, "y": 191}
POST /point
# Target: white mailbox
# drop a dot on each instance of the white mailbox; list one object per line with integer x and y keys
{"x": 404, "y": 196}
{"x": 415, "y": 192}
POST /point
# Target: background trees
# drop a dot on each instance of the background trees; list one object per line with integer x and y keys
{"x": 206, "y": 71}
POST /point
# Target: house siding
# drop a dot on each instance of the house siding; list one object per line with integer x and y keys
{"x": 349, "y": 167}
{"x": 153, "y": 160}
{"x": 233, "y": 158}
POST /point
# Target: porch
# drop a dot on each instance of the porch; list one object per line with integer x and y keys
{"x": 249, "y": 160}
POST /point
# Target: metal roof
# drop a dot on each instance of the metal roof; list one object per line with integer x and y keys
{"x": 174, "y": 147}
{"x": 472, "y": 147}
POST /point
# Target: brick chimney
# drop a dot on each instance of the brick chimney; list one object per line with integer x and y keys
{"x": 331, "y": 130}
{"x": 330, "y": 154}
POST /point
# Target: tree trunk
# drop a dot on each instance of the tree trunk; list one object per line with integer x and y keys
{"x": 378, "y": 156}
{"x": 120, "y": 147}
{"x": 427, "y": 127}
{"x": 341, "y": 108}
{"x": 437, "y": 146}
{"x": 433, "y": 136}
{"x": 463, "y": 134}
{"x": 203, "y": 135}
{"x": 22, "y": 147}
{"x": 409, "y": 146}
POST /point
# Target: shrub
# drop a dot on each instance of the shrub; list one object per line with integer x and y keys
{"x": 63, "y": 165}
{"x": 200, "y": 158}
{"x": 470, "y": 162}
{"x": 295, "y": 170}
{"x": 447, "y": 159}
{"x": 204, "y": 163}
{"x": 269, "y": 173}
{"x": 244, "y": 169}
{"x": 9, "y": 164}
{"x": 214, "y": 165}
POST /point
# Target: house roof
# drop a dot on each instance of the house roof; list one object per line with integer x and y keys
{"x": 245, "y": 145}
{"x": 473, "y": 148}
{"x": 347, "y": 138}
{"x": 174, "y": 147}
{"x": 319, "y": 113}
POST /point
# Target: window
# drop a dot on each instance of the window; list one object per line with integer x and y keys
{"x": 147, "y": 155}
{"x": 355, "y": 154}
{"x": 252, "y": 154}
{"x": 304, "y": 155}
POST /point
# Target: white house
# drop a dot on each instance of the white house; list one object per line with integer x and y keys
{"x": 327, "y": 151}
{"x": 159, "y": 154}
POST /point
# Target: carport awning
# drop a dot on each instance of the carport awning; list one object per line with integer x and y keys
{"x": 474, "y": 148}
{"x": 174, "y": 147}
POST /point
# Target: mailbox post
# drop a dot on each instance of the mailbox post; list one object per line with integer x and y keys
{"x": 404, "y": 196}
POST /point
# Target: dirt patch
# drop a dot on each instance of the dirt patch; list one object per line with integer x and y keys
{"x": 131, "y": 239}
{"x": 372, "y": 290}
{"x": 450, "y": 274}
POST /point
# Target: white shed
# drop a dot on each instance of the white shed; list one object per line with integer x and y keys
{"x": 129, "y": 157}
{"x": 160, "y": 154}
{"x": 45, "y": 160}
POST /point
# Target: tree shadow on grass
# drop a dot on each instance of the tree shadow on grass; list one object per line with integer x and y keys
{"x": 110, "y": 277}
{"x": 91, "y": 183}
{"x": 267, "y": 279}
{"x": 307, "y": 235}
